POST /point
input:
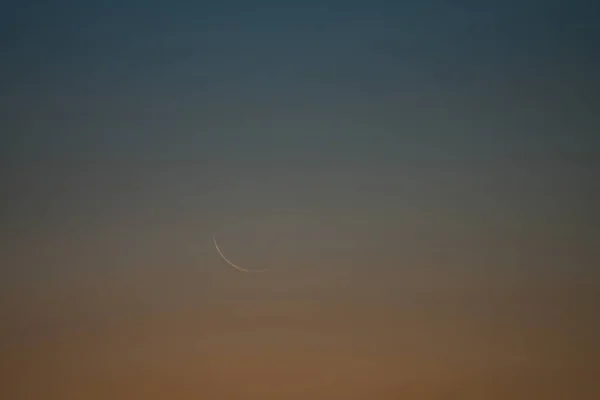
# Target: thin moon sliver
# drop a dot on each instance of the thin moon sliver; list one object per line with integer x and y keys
{"x": 228, "y": 261}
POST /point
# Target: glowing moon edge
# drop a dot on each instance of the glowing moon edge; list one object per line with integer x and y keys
{"x": 228, "y": 261}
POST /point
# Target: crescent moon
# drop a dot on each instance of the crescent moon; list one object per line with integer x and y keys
{"x": 241, "y": 269}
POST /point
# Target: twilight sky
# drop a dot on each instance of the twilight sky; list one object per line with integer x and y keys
{"x": 423, "y": 178}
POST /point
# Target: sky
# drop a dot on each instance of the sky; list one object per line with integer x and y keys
{"x": 420, "y": 177}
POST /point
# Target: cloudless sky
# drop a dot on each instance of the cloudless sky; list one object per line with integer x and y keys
{"x": 407, "y": 149}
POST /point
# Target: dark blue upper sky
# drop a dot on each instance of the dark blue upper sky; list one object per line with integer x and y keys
{"x": 66, "y": 37}
{"x": 89, "y": 87}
